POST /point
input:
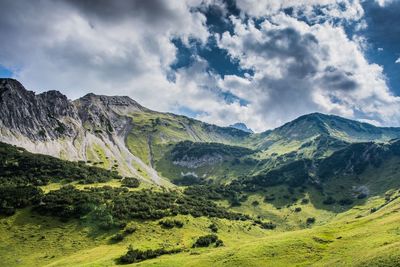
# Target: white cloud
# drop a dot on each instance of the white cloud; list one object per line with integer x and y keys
{"x": 344, "y": 9}
{"x": 397, "y": 61}
{"x": 125, "y": 48}
{"x": 301, "y": 69}
{"x": 383, "y": 3}
{"x": 78, "y": 49}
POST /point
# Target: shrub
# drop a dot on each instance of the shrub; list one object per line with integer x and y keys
{"x": 130, "y": 182}
{"x": 213, "y": 227}
{"x": 269, "y": 198}
{"x": 130, "y": 230}
{"x": 310, "y": 220}
{"x": 329, "y": 201}
{"x": 305, "y": 201}
{"x": 205, "y": 241}
{"x": 117, "y": 238}
{"x": 168, "y": 224}
{"x": 362, "y": 196}
{"x": 345, "y": 202}
{"x": 255, "y": 203}
{"x": 135, "y": 255}
{"x": 267, "y": 225}
{"x": 297, "y": 209}
{"x": 219, "y": 243}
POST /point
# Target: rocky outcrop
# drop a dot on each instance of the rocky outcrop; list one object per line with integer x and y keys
{"x": 92, "y": 128}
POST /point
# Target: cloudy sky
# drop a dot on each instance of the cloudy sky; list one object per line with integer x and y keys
{"x": 261, "y": 62}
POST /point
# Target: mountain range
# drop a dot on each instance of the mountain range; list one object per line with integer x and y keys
{"x": 114, "y": 172}
{"x": 116, "y": 132}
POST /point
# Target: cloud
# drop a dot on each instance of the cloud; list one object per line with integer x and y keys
{"x": 300, "y": 68}
{"x": 397, "y": 61}
{"x": 122, "y": 47}
{"x": 313, "y": 10}
{"x": 126, "y": 48}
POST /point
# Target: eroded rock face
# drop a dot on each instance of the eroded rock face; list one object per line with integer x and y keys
{"x": 93, "y": 127}
{"x": 39, "y": 117}
{"x": 194, "y": 163}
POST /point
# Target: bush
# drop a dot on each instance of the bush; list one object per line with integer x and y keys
{"x": 205, "y": 241}
{"x": 329, "y": 201}
{"x": 345, "y": 202}
{"x": 267, "y": 225}
{"x": 130, "y": 182}
{"x": 310, "y": 220}
{"x": 219, "y": 243}
{"x": 305, "y": 201}
{"x": 117, "y": 238}
{"x": 362, "y": 196}
{"x": 297, "y": 209}
{"x": 13, "y": 197}
{"x": 168, "y": 224}
{"x": 213, "y": 227}
{"x": 135, "y": 255}
{"x": 130, "y": 230}
{"x": 255, "y": 203}
{"x": 269, "y": 198}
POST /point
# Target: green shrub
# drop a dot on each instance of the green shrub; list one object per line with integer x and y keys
{"x": 136, "y": 255}
{"x": 205, "y": 241}
{"x": 310, "y": 220}
{"x": 213, "y": 227}
{"x": 130, "y": 182}
{"x": 168, "y": 224}
{"x": 329, "y": 201}
{"x": 345, "y": 202}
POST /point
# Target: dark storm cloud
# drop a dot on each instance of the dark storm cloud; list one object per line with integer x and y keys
{"x": 288, "y": 44}
{"x": 335, "y": 79}
{"x": 150, "y": 11}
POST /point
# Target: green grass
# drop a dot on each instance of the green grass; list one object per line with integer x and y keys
{"x": 356, "y": 237}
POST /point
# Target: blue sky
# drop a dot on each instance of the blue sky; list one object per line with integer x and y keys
{"x": 222, "y": 61}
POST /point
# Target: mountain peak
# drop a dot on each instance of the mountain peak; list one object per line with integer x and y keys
{"x": 241, "y": 126}
{"x": 13, "y": 87}
{"x": 110, "y": 101}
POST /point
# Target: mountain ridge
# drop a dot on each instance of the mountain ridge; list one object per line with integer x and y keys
{"x": 117, "y": 132}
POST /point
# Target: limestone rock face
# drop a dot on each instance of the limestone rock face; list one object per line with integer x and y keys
{"x": 92, "y": 128}
{"x": 39, "y": 117}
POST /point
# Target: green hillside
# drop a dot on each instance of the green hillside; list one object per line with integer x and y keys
{"x": 339, "y": 210}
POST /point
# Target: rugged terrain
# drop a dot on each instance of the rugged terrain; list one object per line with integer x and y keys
{"x": 88, "y": 178}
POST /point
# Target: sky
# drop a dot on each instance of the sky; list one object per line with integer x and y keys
{"x": 261, "y": 62}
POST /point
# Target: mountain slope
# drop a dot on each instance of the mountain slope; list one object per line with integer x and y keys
{"x": 318, "y": 191}
{"x": 109, "y": 131}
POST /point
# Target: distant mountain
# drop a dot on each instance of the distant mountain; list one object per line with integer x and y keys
{"x": 241, "y": 126}
{"x": 347, "y": 130}
{"x": 320, "y": 133}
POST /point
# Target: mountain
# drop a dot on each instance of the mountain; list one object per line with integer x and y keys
{"x": 241, "y": 126}
{"x": 109, "y": 131}
{"x": 319, "y": 135}
{"x": 117, "y": 133}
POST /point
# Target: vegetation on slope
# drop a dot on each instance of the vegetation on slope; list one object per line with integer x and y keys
{"x": 20, "y": 167}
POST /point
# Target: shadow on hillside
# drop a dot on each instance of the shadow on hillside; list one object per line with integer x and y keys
{"x": 284, "y": 197}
